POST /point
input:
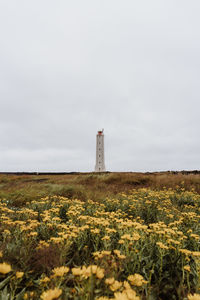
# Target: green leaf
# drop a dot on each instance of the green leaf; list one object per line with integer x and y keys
{"x": 20, "y": 296}
{"x": 4, "y": 295}
{"x": 4, "y": 282}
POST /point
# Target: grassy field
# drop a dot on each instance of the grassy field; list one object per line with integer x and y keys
{"x": 100, "y": 236}
{"x": 25, "y": 188}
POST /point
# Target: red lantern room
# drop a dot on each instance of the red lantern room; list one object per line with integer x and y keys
{"x": 100, "y": 132}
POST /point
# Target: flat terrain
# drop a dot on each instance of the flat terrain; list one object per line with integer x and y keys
{"x": 24, "y": 188}
{"x": 123, "y": 236}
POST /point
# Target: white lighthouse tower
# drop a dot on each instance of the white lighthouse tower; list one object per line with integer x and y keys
{"x": 100, "y": 164}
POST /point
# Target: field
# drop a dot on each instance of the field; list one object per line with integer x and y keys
{"x": 103, "y": 236}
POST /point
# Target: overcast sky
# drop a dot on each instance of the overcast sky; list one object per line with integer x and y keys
{"x": 70, "y": 68}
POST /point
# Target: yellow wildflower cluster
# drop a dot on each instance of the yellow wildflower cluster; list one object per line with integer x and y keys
{"x": 86, "y": 272}
{"x": 60, "y": 271}
{"x": 51, "y": 294}
{"x": 117, "y": 247}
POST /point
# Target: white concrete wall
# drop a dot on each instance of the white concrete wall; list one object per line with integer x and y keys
{"x": 100, "y": 163}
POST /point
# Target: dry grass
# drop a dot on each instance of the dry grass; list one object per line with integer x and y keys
{"x": 96, "y": 186}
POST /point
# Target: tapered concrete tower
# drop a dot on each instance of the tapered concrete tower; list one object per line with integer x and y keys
{"x": 100, "y": 164}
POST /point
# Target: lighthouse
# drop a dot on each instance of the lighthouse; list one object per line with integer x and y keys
{"x": 100, "y": 164}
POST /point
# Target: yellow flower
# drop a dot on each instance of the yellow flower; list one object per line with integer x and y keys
{"x": 131, "y": 294}
{"x": 187, "y": 268}
{"x": 93, "y": 269}
{"x": 25, "y": 296}
{"x": 136, "y": 279}
{"x": 115, "y": 286}
{"x": 121, "y": 256}
{"x": 135, "y": 237}
{"x": 77, "y": 271}
{"x": 195, "y": 236}
{"x": 60, "y": 271}
{"x": 106, "y": 238}
{"x": 1, "y": 254}
{"x": 194, "y": 297}
{"x": 51, "y": 294}
{"x": 6, "y": 231}
{"x": 185, "y": 251}
{"x": 56, "y": 240}
{"x": 196, "y": 253}
{"x": 121, "y": 296}
{"x": 121, "y": 241}
{"x": 99, "y": 273}
{"x": 110, "y": 280}
{"x": 28, "y": 295}
{"x": 161, "y": 245}
{"x": 45, "y": 279}
{"x": 126, "y": 237}
{"x": 127, "y": 285}
{"x": 87, "y": 272}
{"x": 173, "y": 241}
{"x": 5, "y": 268}
{"x": 117, "y": 252}
{"x": 95, "y": 231}
{"x": 33, "y": 233}
{"x": 19, "y": 274}
{"x": 105, "y": 252}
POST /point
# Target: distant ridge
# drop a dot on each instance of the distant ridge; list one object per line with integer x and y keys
{"x": 87, "y": 173}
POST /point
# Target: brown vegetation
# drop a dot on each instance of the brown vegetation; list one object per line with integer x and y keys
{"x": 21, "y": 189}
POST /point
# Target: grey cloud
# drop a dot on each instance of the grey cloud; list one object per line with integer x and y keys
{"x": 68, "y": 69}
